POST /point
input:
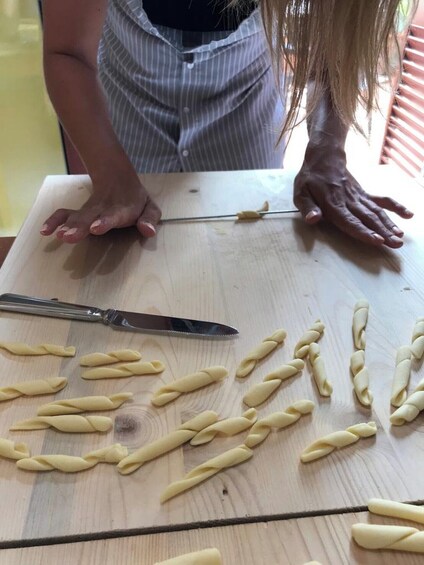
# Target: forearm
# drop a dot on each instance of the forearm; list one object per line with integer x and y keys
{"x": 79, "y": 102}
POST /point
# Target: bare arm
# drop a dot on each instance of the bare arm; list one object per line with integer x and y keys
{"x": 72, "y": 31}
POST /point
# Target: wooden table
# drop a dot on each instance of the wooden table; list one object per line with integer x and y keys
{"x": 257, "y": 276}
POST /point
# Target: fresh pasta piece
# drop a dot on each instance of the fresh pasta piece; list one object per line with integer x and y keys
{"x": 125, "y": 370}
{"x": 206, "y": 470}
{"x": 17, "y": 348}
{"x": 228, "y": 427}
{"x": 171, "y": 441}
{"x": 189, "y": 383}
{"x": 205, "y": 557}
{"x": 360, "y": 377}
{"x": 311, "y": 335}
{"x": 360, "y": 319}
{"x": 325, "y": 388}
{"x": 11, "y": 450}
{"x": 33, "y": 388}
{"x": 409, "y": 410}
{"x": 401, "y": 376}
{"x": 417, "y": 345}
{"x": 253, "y": 214}
{"x": 84, "y": 404}
{"x": 260, "y": 392}
{"x": 336, "y": 440}
{"x": 401, "y": 538}
{"x": 268, "y": 345}
{"x": 96, "y": 359}
{"x": 278, "y": 420}
{"x": 396, "y": 510}
{"x": 71, "y": 464}
{"x": 70, "y": 424}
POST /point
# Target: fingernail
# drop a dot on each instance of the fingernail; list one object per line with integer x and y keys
{"x": 395, "y": 239}
{"x": 409, "y": 213}
{"x": 62, "y": 229}
{"x": 311, "y": 215}
{"x": 150, "y": 226}
{"x": 44, "y": 228}
{"x": 398, "y": 231}
{"x": 95, "y": 224}
{"x": 378, "y": 237}
{"x": 72, "y": 231}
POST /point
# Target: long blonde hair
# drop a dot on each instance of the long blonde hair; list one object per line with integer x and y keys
{"x": 341, "y": 44}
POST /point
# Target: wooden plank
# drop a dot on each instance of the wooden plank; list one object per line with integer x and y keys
{"x": 326, "y": 539}
{"x": 257, "y": 276}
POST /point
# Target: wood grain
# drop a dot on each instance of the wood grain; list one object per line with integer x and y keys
{"x": 258, "y": 276}
{"x": 326, "y": 539}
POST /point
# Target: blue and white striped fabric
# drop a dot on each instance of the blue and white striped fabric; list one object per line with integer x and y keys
{"x": 212, "y": 107}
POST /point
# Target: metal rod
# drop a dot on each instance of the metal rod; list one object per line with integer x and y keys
{"x": 192, "y": 218}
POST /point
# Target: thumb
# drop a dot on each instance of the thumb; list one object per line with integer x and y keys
{"x": 310, "y": 211}
{"x": 147, "y": 222}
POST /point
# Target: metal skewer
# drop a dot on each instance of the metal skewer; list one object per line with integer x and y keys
{"x": 218, "y": 217}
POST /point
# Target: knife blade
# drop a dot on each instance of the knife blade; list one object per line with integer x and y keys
{"x": 117, "y": 319}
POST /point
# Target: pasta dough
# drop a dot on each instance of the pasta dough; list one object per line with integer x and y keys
{"x": 318, "y": 370}
{"x": 171, "y": 441}
{"x": 206, "y": 470}
{"x": 228, "y": 427}
{"x": 204, "y": 557}
{"x": 401, "y": 376}
{"x": 189, "y": 383}
{"x": 337, "y": 440}
{"x": 125, "y": 370}
{"x": 72, "y": 424}
{"x": 258, "y": 393}
{"x": 33, "y": 388}
{"x": 265, "y": 348}
{"x": 11, "y": 450}
{"x": 360, "y": 378}
{"x": 360, "y": 319}
{"x": 261, "y": 430}
{"x": 253, "y": 214}
{"x": 409, "y": 410}
{"x": 96, "y": 359}
{"x": 70, "y": 464}
{"x": 402, "y": 538}
{"x": 417, "y": 345}
{"x": 313, "y": 334}
{"x": 396, "y": 510}
{"x": 84, "y": 404}
{"x": 44, "y": 349}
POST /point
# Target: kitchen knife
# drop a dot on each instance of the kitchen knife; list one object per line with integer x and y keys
{"x": 117, "y": 319}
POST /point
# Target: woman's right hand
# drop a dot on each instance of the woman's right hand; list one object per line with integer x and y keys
{"x": 118, "y": 201}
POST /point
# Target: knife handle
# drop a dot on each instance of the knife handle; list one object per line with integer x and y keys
{"x": 51, "y": 308}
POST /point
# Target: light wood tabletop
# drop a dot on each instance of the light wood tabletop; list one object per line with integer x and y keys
{"x": 257, "y": 276}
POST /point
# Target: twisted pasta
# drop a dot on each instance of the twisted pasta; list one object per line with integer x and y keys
{"x": 70, "y": 464}
{"x": 417, "y": 345}
{"x": 318, "y": 370}
{"x": 401, "y": 538}
{"x": 189, "y": 383}
{"x": 171, "y": 441}
{"x": 71, "y": 424}
{"x": 258, "y": 393}
{"x": 337, "y": 440}
{"x": 396, "y": 510}
{"x": 43, "y": 349}
{"x": 205, "y": 557}
{"x": 11, "y": 450}
{"x": 253, "y": 214}
{"x": 33, "y": 388}
{"x": 401, "y": 376}
{"x": 125, "y": 370}
{"x": 278, "y": 420}
{"x": 311, "y": 335}
{"x": 84, "y": 404}
{"x": 228, "y": 427}
{"x": 268, "y": 345}
{"x": 360, "y": 378}
{"x": 409, "y": 410}
{"x": 96, "y": 359}
{"x": 360, "y": 318}
{"x": 206, "y": 470}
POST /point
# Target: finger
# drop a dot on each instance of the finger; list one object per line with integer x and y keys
{"x": 392, "y": 205}
{"x": 149, "y": 219}
{"x": 372, "y": 221}
{"x": 111, "y": 218}
{"x": 384, "y": 218}
{"x": 350, "y": 224}
{"x": 310, "y": 211}
{"x": 58, "y": 218}
{"x": 77, "y": 226}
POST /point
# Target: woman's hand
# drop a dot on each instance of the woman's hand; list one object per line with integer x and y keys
{"x": 118, "y": 201}
{"x": 325, "y": 190}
